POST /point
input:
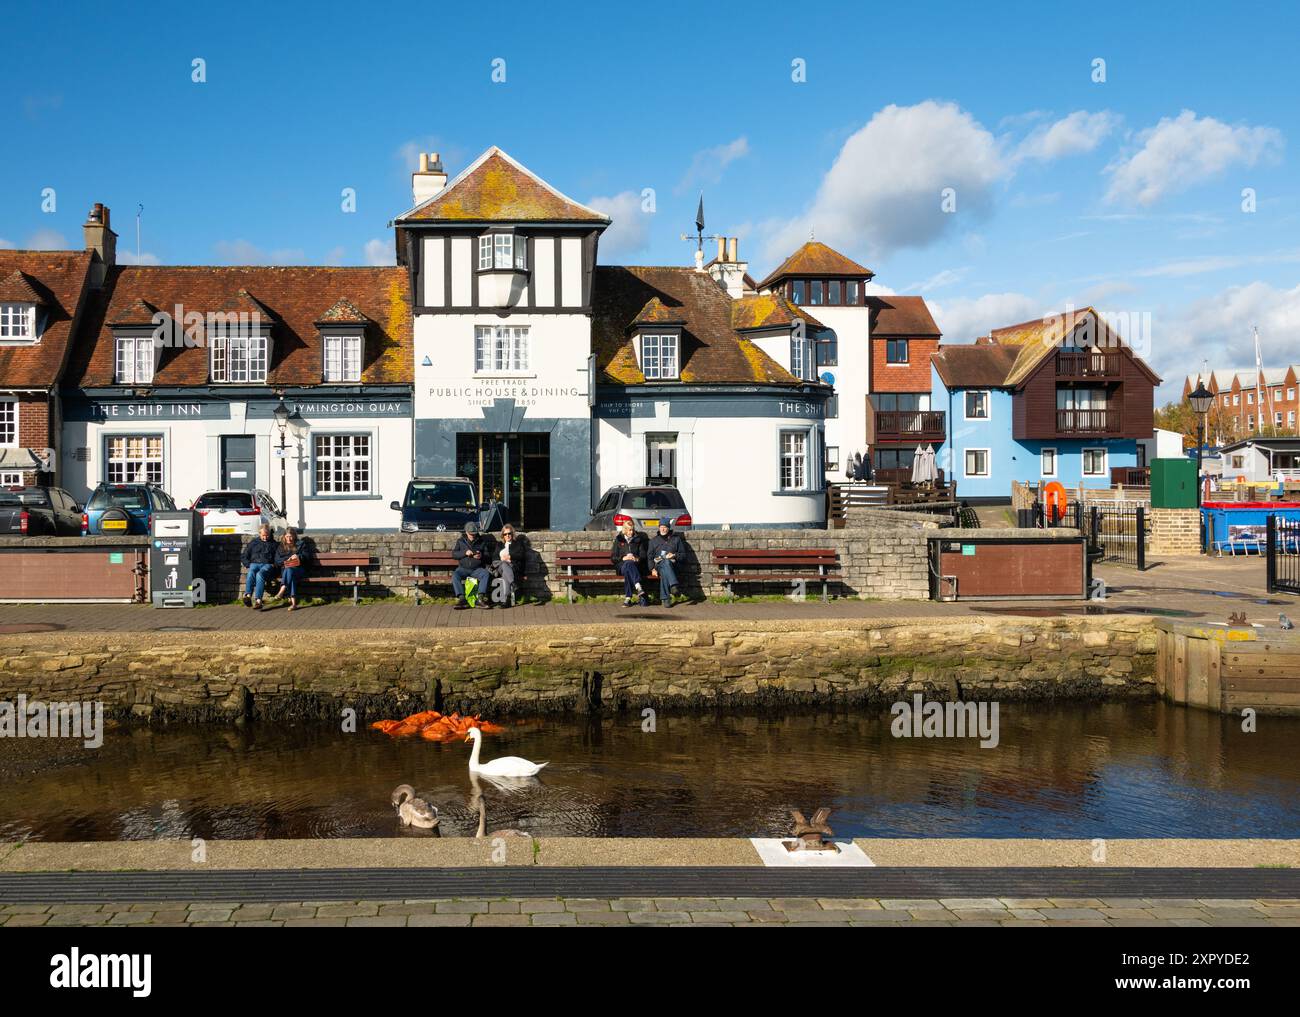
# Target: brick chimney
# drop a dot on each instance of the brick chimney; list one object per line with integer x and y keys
{"x": 101, "y": 239}
{"x": 429, "y": 179}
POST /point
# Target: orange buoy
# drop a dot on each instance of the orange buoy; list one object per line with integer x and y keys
{"x": 1054, "y": 501}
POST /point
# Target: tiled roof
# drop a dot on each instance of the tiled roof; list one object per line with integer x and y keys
{"x": 815, "y": 258}
{"x": 496, "y": 188}
{"x": 980, "y": 365}
{"x": 292, "y": 300}
{"x": 344, "y": 312}
{"x": 656, "y": 312}
{"x": 713, "y": 352}
{"x": 57, "y": 279}
{"x": 1007, "y": 356}
{"x": 768, "y": 310}
{"x": 17, "y": 287}
{"x": 136, "y": 312}
{"x": 901, "y": 317}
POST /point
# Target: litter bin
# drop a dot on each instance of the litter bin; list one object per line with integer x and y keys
{"x": 172, "y": 554}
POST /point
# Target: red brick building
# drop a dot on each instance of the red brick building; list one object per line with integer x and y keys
{"x": 42, "y": 297}
{"x": 1251, "y": 402}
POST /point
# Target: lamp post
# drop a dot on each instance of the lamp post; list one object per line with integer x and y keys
{"x": 1201, "y": 400}
{"x": 281, "y": 414}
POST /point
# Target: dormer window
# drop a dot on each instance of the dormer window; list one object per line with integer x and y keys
{"x": 502, "y": 252}
{"x": 18, "y": 322}
{"x": 342, "y": 358}
{"x": 133, "y": 361}
{"x": 239, "y": 359}
{"x": 660, "y": 358}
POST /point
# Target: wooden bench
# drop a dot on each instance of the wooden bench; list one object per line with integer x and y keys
{"x": 585, "y": 567}
{"x": 423, "y": 565}
{"x": 786, "y": 565}
{"x": 336, "y": 561}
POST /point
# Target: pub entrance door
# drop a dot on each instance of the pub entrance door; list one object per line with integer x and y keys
{"x": 513, "y": 469}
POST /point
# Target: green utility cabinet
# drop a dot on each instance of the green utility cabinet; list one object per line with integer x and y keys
{"x": 1173, "y": 483}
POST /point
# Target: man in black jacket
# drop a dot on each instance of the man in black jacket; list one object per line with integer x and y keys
{"x": 667, "y": 550}
{"x": 628, "y": 556}
{"x": 259, "y": 559}
{"x": 472, "y": 552}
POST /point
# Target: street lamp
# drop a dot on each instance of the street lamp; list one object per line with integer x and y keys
{"x": 281, "y": 414}
{"x": 1201, "y": 400}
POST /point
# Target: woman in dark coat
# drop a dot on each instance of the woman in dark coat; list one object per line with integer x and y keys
{"x": 292, "y": 559}
{"x": 628, "y": 556}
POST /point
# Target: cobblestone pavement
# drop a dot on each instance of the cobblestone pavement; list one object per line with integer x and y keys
{"x": 729, "y": 911}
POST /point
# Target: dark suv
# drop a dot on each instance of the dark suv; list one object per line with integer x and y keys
{"x": 118, "y": 509}
{"x": 38, "y": 511}
{"x": 438, "y": 503}
{"x": 646, "y": 507}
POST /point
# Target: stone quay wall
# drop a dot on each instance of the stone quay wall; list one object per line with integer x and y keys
{"x": 884, "y": 558}
{"x": 227, "y": 677}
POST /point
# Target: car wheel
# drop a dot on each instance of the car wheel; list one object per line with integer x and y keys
{"x": 114, "y": 515}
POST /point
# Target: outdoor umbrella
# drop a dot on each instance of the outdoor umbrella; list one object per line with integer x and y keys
{"x": 918, "y": 465}
{"x": 929, "y": 471}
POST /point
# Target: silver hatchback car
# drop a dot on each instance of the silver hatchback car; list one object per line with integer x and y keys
{"x": 644, "y": 506}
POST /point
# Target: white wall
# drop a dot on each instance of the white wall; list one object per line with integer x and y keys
{"x": 554, "y": 386}
{"x": 192, "y": 461}
{"x": 852, "y": 327}
{"x": 727, "y": 467}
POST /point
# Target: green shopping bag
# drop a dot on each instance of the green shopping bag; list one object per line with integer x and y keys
{"x": 471, "y": 591}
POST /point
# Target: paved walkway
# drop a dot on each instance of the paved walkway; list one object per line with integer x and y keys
{"x": 1208, "y": 589}
{"x": 730, "y": 911}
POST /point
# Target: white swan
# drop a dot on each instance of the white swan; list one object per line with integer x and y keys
{"x": 414, "y": 811}
{"x": 506, "y": 766}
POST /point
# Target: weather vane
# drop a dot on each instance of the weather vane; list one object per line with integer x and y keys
{"x": 700, "y": 237}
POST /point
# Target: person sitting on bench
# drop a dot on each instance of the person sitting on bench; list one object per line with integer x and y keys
{"x": 511, "y": 559}
{"x": 628, "y": 557}
{"x": 259, "y": 559}
{"x": 667, "y": 549}
{"x": 472, "y": 552}
{"x": 292, "y": 559}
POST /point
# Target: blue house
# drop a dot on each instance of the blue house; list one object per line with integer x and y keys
{"x": 1062, "y": 398}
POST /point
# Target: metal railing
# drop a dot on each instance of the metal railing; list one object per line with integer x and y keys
{"x": 1088, "y": 421}
{"x": 1119, "y": 533}
{"x": 919, "y": 424}
{"x": 1088, "y": 364}
{"x": 1282, "y": 546}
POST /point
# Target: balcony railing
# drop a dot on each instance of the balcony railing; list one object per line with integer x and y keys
{"x": 1088, "y": 421}
{"x": 1089, "y": 364}
{"x": 910, "y": 425}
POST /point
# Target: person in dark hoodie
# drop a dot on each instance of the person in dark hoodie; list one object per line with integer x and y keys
{"x": 628, "y": 556}
{"x": 473, "y": 553}
{"x": 259, "y": 559}
{"x": 667, "y": 549}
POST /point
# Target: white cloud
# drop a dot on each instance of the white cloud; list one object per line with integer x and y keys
{"x": 380, "y": 252}
{"x": 6, "y": 245}
{"x": 965, "y": 319}
{"x": 47, "y": 240}
{"x": 125, "y": 257}
{"x": 1181, "y": 152}
{"x": 241, "y": 252}
{"x": 1079, "y": 132}
{"x": 944, "y": 277}
{"x": 1217, "y": 330}
{"x": 885, "y": 188}
{"x": 708, "y": 165}
{"x": 629, "y": 229}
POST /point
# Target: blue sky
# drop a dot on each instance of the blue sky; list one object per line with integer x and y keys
{"x": 1124, "y": 193}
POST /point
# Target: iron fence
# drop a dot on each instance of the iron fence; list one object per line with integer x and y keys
{"x": 1282, "y": 545}
{"x": 1119, "y": 534}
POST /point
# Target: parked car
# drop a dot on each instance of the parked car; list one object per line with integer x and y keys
{"x": 39, "y": 511}
{"x": 242, "y": 512}
{"x": 645, "y": 506}
{"x": 117, "y": 509}
{"x": 438, "y": 503}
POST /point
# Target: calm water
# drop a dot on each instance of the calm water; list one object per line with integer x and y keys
{"x": 1061, "y": 771}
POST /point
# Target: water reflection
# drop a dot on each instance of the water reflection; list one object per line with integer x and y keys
{"x": 1076, "y": 770}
